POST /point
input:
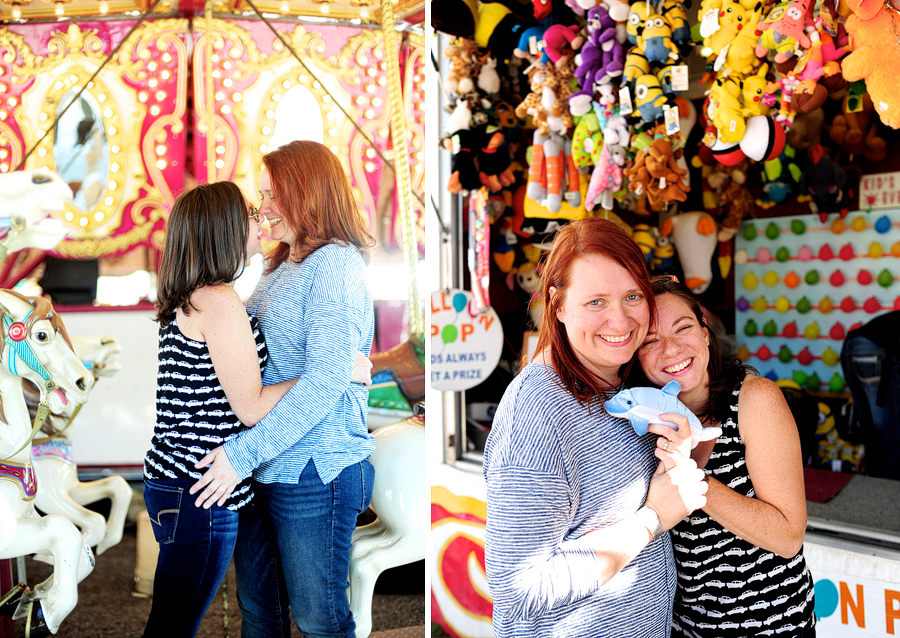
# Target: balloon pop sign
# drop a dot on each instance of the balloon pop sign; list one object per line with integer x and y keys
{"x": 465, "y": 343}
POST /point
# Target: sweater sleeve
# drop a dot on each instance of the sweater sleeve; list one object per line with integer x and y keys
{"x": 333, "y": 336}
{"x": 531, "y": 568}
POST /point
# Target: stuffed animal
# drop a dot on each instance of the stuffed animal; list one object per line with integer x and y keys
{"x": 855, "y": 131}
{"x": 636, "y": 65}
{"x": 741, "y": 56}
{"x": 642, "y": 406}
{"x": 655, "y": 40}
{"x": 532, "y": 104}
{"x": 463, "y": 171}
{"x": 649, "y": 98}
{"x": 529, "y": 46}
{"x": 784, "y": 29}
{"x": 464, "y": 65}
{"x": 725, "y": 110}
{"x": 607, "y": 177}
{"x": 606, "y": 59}
{"x": 737, "y": 202}
{"x": 528, "y": 277}
{"x": 655, "y": 173}
{"x": 494, "y": 162}
{"x": 488, "y": 78}
{"x": 753, "y": 88}
{"x": 560, "y": 42}
{"x": 779, "y": 176}
{"x": 731, "y": 21}
{"x": 638, "y": 14}
{"x": 587, "y": 136}
{"x": 694, "y": 236}
{"x": 676, "y": 15}
{"x": 825, "y": 181}
{"x": 875, "y": 58}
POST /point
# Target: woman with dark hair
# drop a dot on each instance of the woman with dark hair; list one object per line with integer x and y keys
{"x": 741, "y": 570}
{"x": 309, "y": 456}
{"x": 209, "y": 385}
{"x": 577, "y": 505}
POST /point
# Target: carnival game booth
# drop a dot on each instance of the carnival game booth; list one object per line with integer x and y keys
{"x": 766, "y": 177}
{"x": 124, "y": 105}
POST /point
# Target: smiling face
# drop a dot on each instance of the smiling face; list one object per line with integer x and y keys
{"x": 677, "y": 349}
{"x": 605, "y": 315}
{"x": 253, "y": 233}
{"x": 279, "y": 228}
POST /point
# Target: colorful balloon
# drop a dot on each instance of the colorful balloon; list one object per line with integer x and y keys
{"x": 813, "y": 382}
{"x": 871, "y": 305}
{"x": 459, "y": 302}
{"x": 741, "y": 257}
{"x": 772, "y": 231}
{"x": 825, "y": 253}
{"x": 449, "y": 334}
{"x": 749, "y": 232}
{"x": 803, "y": 306}
{"x": 764, "y": 354}
{"x": 742, "y": 304}
{"x": 782, "y": 305}
{"x": 826, "y": 305}
{"x": 876, "y": 250}
{"x": 895, "y": 249}
{"x": 763, "y": 255}
{"x": 847, "y": 304}
{"x": 804, "y": 254}
{"x": 750, "y": 329}
{"x": 812, "y": 277}
{"x": 836, "y": 383}
{"x": 743, "y": 353}
{"x": 805, "y": 357}
{"x": 830, "y": 357}
{"x": 858, "y": 224}
{"x": 792, "y": 280}
{"x": 885, "y": 278}
{"x": 770, "y": 329}
{"x": 771, "y": 278}
{"x": 785, "y": 355}
{"x": 864, "y": 277}
{"x": 799, "y": 377}
{"x": 811, "y": 331}
{"x": 750, "y": 281}
{"x": 836, "y": 279}
{"x": 837, "y": 332}
{"x": 760, "y": 304}
{"x": 798, "y": 227}
{"x": 782, "y": 254}
{"x": 846, "y": 253}
{"x": 790, "y": 330}
{"x": 838, "y": 226}
{"x": 883, "y": 225}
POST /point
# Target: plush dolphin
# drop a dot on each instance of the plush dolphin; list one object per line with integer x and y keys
{"x": 642, "y": 406}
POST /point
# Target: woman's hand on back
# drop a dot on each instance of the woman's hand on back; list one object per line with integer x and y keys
{"x": 672, "y": 446}
{"x": 218, "y": 482}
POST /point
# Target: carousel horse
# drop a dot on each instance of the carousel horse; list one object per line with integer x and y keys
{"x": 401, "y": 504}
{"x": 398, "y": 381}
{"x": 26, "y": 200}
{"x": 36, "y": 347}
{"x": 61, "y": 492}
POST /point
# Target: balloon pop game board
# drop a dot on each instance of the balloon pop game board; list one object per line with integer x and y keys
{"x": 802, "y": 285}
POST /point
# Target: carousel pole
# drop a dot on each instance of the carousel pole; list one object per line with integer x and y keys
{"x": 401, "y": 167}
{"x": 210, "y": 98}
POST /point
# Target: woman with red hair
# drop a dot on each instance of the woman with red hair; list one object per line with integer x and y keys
{"x": 577, "y": 502}
{"x": 309, "y": 456}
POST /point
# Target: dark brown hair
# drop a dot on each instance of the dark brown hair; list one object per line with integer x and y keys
{"x": 206, "y": 244}
{"x": 725, "y": 373}
{"x": 575, "y": 241}
{"x": 315, "y": 199}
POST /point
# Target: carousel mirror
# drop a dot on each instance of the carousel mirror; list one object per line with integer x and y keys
{"x": 298, "y": 117}
{"x": 80, "y": 152}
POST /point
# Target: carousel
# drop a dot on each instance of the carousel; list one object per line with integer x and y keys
{"x": 109, "y": 110}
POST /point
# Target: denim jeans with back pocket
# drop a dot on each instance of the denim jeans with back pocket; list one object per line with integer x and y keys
{"x": 195, "y": 549}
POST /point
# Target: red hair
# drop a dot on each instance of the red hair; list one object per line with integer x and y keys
{"x": 315, "y": 199}
{"x": 575, "y": 241}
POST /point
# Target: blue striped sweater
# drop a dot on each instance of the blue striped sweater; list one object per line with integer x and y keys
{"x": 316, "y": 315}
{"x": 554, "y": 473}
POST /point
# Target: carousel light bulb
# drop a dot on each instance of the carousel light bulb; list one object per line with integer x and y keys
{"x": 106, "y": 113}
{"x": 332, "y": 132}
{"x": 43, "y": 117}
{"x": 2, "y": 115}
{"x": 114, "y": 167}
{"x": 226, "y": 65}
{"x": 114, "y": 148}
{"x": 376, "y": 101}
{"x": 263, "y": 149}
{"x": 161, "y": 164}
{"x": 160, "y": 150}
{"x": 334, "y": 149}
{"x": 382, "y": 80}
{"x": 227, "y": 83}
{"x": 418, "y": 168}
{"x": 361, "y": 100}
{"x": 152, "y": 83}
{"x": 101, "y": 97}
{"x": 112, "y": 185}
{"x": 4, "y": 167}
{"x": 266, "y": 130}
{"x": 167, "y": 57}
{"x": 109, "y": 201}
{"x": 98, "y": 216}
{"x": 111, "y": 131}
{"x": 270, "y": 114}
{"x": 316, "y": 85}
{"x": 225, "y": 109}
{"x": 326, "y": 99}
{"x": 420, "y": 156}
{"x": 58, "y": 86}
{"x": 286, "y": 84}
{"x": 370, "y": 153}
{"x": 69, "y": 216}
{"x": 3, "y": 153}
{"x": 285, "y": 8}
{"x": 302, "y": 78}
{"x": 325, "y": 8}
{"x": 220, "y": 96}
{"x": 236, "y": 97}
{"x": 370, "y": 114}
{"x": 329, "y": 115}
{"x": 220, "y": 149}
{"x": 104, "y": 8}
{"x": 214, "y": 57}
{"x": 370, "y": 167}
{"x": 165, "y": 75}
{"x": 16, "y": 10}
{"x": 160, "y": 96}
{"x": 220, "y": 163}
{"x": 370, "y": 88}
{"x": 83, "y": 222}
{"x": 276, "y": 97}
{"x": 216, "y": 74}
{"x": 363, "y": 14}
{"x": 371, "y": 72}
{"x": 154, "y": 110}
{"x": 61, "y": 10}
{"x": 152, "y": 66}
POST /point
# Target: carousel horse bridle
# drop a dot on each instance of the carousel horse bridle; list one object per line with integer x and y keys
{"x": 16, "y": 341}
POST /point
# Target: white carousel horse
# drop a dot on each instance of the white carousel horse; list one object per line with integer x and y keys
{"x": 61, "y": 492}
{"x": 400, "y": 501}
{"x": 35, "y": 346}
{"x": 26, "y": 200}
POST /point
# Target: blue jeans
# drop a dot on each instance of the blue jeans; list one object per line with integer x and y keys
{"x": 863, "y": 363}
{"x": 195, "y": 548}
{"x": 293, "y": 554}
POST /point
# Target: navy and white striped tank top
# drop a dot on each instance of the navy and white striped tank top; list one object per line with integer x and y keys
{"x": 193, "y": 416}
{"x": 727, "y": 587}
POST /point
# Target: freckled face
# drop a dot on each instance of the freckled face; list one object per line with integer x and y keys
{"x": 677, "y": 349}
{"x": 605, "y": 314}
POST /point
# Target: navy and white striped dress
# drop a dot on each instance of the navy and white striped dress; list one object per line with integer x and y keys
{"x": 556, "y": 471}
{"x": 728, "y": 587}
{"x": 193, "y": 416}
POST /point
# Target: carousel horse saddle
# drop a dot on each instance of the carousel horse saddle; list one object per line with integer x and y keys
{"x": 403, "y": 365}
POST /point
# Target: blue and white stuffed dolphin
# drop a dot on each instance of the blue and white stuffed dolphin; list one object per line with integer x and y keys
{"x": 642, "y": 406}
